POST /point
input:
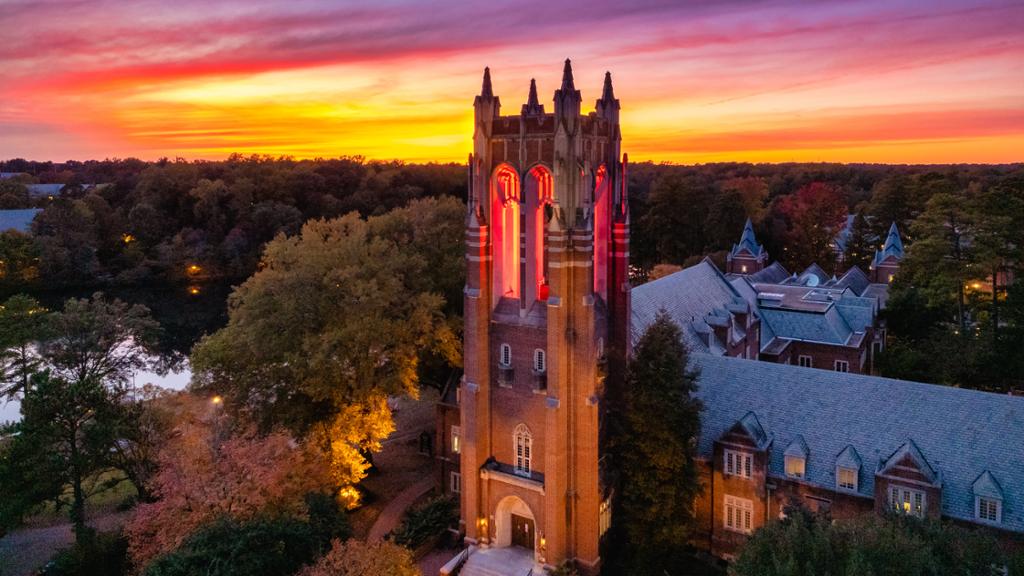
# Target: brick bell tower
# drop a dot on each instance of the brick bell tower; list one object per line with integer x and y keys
{"x": 546, "y": 321}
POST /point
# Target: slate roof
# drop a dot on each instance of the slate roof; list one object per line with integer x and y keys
{"x": 748, "y": 242}
{"x": 773, "y": 274}
{"x": 961, "y": 433}
{"x": 9, "y": 175}
{"x": 44, "y": 190}
{"x": 855, "y": 279}
{"x": 20, "y": 220}
{"x": 893, "y": 246}
{"x": 844, "y": 233}
{"x": 829, "y": 328}
{"x": 695, "y": 298}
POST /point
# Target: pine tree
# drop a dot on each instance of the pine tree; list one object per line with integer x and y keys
{"x": 861, "y": 243}
{"x": 654, "y": 443}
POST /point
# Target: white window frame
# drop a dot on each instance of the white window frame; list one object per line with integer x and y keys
{"x": 803, "y": 357}
{"x": 794, "y": 460}
{"x": 845, "y": 366}
{"x": 505, "y": 355}
{"x": 456, "y": 439}
{"x": 996, "y": 508}
{"x": 455, "y": 483}
{"x": 737, "y": 463}
{"x": 522, "y": 445}
{"x": 839, "y": 479}
{"x": 738, "y": 514}
{"x": 540, "y": 361}
{"x": 904, "y": 500}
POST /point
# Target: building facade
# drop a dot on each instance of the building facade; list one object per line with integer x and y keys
{"x": 546, "y": 321}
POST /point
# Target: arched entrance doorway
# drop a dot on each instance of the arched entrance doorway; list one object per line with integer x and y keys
{"x": 516, "y": 525}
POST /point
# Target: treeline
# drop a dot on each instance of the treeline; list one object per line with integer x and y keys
{"x": 127, "y": 221}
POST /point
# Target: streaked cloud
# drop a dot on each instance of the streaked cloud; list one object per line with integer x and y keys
{"x": 745, "y": 80}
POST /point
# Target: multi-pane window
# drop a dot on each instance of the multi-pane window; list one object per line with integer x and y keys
{"x": 540, "y": 361}
{"x": 505, "y": 359}
{"x": 738, "y": 515}
{"x": 842, "y": 366}
{"x": 455, "y": 482}
{"x": 805, "y": 361}
{"x": 907, "y": 501}
{"x": 456, "y": 439}
{"x": 795, "y": 466}
{"x": 989, "y": 509}
{"x": 738, "y": 463}
{"x": 524, "y": 446}
{"x": 846, "y": 478}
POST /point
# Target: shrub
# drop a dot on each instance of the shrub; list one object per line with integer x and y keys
{"x": 227, "y": 547}
{"x": 355, "y": 558}
{"x": 423, "y": 522}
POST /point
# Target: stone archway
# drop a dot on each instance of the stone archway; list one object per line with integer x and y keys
{"x": 515, "y": 524}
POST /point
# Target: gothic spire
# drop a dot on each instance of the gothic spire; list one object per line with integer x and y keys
{"x": 607, "y": 94}
{"x": 533, "y": 106}
{"x": 567, "y": 83}
{"x": 486, "y": 91}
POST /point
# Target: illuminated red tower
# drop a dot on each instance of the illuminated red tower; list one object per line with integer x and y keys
{"x": 546, "y": 319}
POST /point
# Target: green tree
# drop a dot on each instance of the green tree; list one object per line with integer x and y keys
{"x": 62, "y": 441}
{"x": 653, "y": 445}
{"x": 860, "y": 245}
{"x": 23, "y": 324}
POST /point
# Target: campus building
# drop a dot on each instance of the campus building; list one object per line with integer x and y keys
{"x": 550, "y": 319}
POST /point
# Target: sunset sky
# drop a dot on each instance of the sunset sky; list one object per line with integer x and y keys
{"x": 864, "y": 81}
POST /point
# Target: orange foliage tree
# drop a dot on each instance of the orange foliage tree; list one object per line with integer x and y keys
{"x": 356, "y": 558}
{"x": 205, "y": 475}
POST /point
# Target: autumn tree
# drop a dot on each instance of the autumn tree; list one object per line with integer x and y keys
{"x": 334, "y": 322}
{"x": 814, "y": 215}
{"x": 206, "y": 474}
{"x": 653, "y": 444}
{"x": 356, "y": 558}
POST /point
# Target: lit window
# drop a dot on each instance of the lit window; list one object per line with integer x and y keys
{"x": 846, "y": 478}
{"x": 890, "y": 278}
{"x": 739, "y": 514}
{"x": 505, "y": 359}
{"x": 738, "y": 463}
{"x": 539, "y": 361}
{"x": 743, "y": 269}
{"x": 524, "y": 447}
{"x": 907, "y": 501}
{"x": 842, "y": 366}
{"x": 795, "y": 466}
{"x": 988, "y": 509}
{"x": 805, "y": 361}
{"x": 456, "y": 439}
{"x": 455, "y": 483}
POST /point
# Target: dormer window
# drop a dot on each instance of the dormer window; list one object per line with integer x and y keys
{"x": 795, "y": 458}
{"x": 848, "y": 469}
{"x": 505, "y": 358}
{"x": 846, "y": 479}
{"x": 988, "y": 499}
{"x": 540, "y": 361}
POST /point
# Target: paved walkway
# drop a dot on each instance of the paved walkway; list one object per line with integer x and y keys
{"x": 391, "y": 515}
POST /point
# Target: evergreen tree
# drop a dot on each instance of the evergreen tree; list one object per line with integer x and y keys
{"x": 860, "y": 246}
{"x": 653, "y": 443}
{"x": 23, "y": 323}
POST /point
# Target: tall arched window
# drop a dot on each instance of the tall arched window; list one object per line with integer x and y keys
{"x": 539, "y": 192}
{"x": 524, "y": 446}
{"x": 602, "y": 231}
{"x": 505, "y": 199}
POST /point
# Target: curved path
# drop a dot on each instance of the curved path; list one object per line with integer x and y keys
{"x": 391, "y": 515}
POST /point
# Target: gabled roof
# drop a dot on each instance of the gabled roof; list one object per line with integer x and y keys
{"x": 750, "y": 426}
{"x": 908, "y": 450}
{"x": 829, "y": 327}
{"x": 849, "y": 458}
{"x": 962, "y": 432}
{"x": 893, "y": 246}
{"x": 814, "y": 275}
{"x": 987, "y": 486}
{"x": 855, "y": 279}
{"x": 797, "y": 448}
{"x": 844, "y": 233}
{"x": 696, "y": 298}
{"x": 774, "y": 273}
{"x": 20, "y": 220}
{"x": 748, "y": 242}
